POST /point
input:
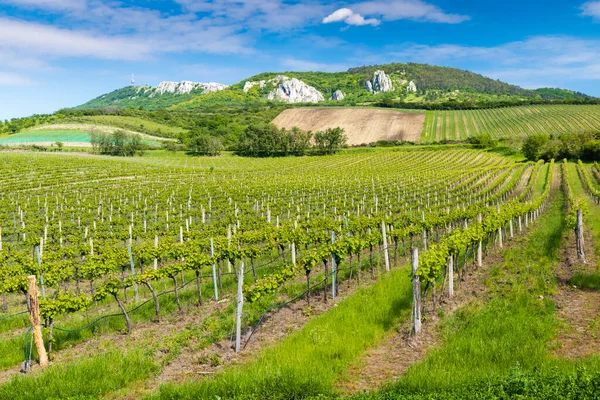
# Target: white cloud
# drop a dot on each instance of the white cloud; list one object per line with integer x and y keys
{"x": 47, "y": 40}
{"x": 59, "y": 5}
{"x": 415, "y": 10}
{"x": 349, "y": 17}
{"x": 591, "y": 9}
{"x": 13, "y": 79}
{"x": 532, "y": 62}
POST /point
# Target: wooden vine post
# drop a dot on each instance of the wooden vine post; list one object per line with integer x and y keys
{"x": 333, "y": 270}
{"x": 416, "y": 292}
{"x": 214, "y": 269}
{"x": 479, "y": 247}
{"x": 579, "y": 236}
{"x": 385, "y": 247}
{"x": 451, "y": 276}
{"x": 240, "y": 307}
{"x": 34, "y": 315}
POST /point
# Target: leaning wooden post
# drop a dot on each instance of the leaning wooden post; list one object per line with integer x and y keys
{"x": 34, "y": 316}
{"x": 500, "y": 237}
{"x": 240, "y": 306}
{"x": 385, "y": 247}
{"x": 416, "y": 292}
{"x": 451, "y": 276}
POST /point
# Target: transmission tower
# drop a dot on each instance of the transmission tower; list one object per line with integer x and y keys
{"x": 132, "y": 80}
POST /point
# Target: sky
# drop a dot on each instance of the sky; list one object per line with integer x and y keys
{"x": 62, "y": 53}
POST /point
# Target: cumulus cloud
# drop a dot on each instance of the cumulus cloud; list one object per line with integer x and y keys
{"x": 416, "y": 10}
{"x": 349, "y": 17}
{"x": 591, "y": 9}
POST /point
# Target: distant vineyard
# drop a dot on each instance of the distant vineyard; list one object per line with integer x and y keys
{"x": 511, "y": 121}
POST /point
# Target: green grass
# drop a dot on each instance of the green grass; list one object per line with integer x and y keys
{"x": 512, "y": 121}
{"x": 311, "y": 360}
{"x": 135, "y": 124}
{"x": 592, "y": 221}
{"x": 514, "y": 328}
{"x": 52, "y": 136}
{"x": 85, "y": 379}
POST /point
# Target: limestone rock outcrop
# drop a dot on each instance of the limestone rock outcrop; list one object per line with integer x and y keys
{"x": 338, "y": 95}
{"x": 412, "y": 87}
{"x": 380, "y": 83}
{"x": 185, "y": 87}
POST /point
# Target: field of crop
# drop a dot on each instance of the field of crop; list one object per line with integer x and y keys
{"x": 510, "y": 121}
{"x": 133, "y": 124}
{"x": 180, "y": 277}
{"x": 41, "y": 137}
{"x": 361, "y": 125}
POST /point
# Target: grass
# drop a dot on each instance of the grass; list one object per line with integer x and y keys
{"x": 136, "y": 124}
{"x": 52, "y": 136}
{"x": 311, "y": 360}
{"x": 514, "y": 328}
{"x": 85, "y": 379}
{"x": 512, "y": 121}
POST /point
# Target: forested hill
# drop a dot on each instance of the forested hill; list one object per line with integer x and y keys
{"x": 397, "y": 85}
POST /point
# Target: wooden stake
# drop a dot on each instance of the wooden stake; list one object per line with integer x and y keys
{"x": 416, "y": 292}
{"x": 240, "y": 307}
{"x": 451, "y": 276}
{"x": 385, "y": 247}
{"x": 34, "y": 316}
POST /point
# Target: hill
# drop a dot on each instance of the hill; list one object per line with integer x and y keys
{"x": 409, "y": 85}
{"x": 164, "y": 95}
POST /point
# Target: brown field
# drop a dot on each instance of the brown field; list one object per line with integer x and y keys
{"x": 362, "y": 125}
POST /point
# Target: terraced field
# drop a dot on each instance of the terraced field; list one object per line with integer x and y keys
{"x": 510, "y": 121}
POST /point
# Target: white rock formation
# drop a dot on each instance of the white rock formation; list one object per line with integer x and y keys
{"x": 187, "y": 86}
{"x": 292, "y": 90}
{"x": 380, "y": 83}
{"x": 338, "y": 95}
{"x": 411, "y": 87}
{"x": 249, "y": 85}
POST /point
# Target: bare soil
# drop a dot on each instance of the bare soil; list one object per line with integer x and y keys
{"x": 362, "y": 125}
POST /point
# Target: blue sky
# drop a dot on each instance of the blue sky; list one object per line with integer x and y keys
{"x": 61, "y": 53}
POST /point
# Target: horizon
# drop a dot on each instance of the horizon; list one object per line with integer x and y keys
{"x": 63, "y": 53}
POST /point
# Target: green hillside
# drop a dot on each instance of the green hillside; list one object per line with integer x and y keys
{"x": 436, "y": 87}
{"x": 138, "y": 96}
{"x": 510, "y": 121}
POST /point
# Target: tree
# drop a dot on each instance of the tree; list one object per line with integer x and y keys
{"x": 534, "y": 145}
{"x": 483, "y": 141}
{"x": 330, "y": 140}
{"x": 206, "y": 145}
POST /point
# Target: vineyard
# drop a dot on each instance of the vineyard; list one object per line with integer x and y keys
{"x": 509, "y": 122}
{"x": 117, "y": 246}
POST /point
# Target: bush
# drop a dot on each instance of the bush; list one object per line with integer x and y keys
{"x": 330, "y": 140}
{"x": 534, "y": 145}
{"x": 483, "y": 141}
{"x": 119, "y": 143}
{"x": 206, "y": 145}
